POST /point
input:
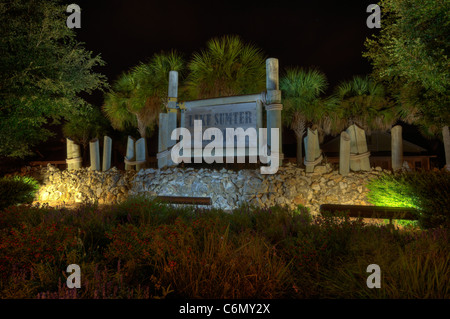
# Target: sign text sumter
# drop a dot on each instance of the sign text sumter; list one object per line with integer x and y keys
{"x": 237, "y": 141}
{"x": 243, "y": 115}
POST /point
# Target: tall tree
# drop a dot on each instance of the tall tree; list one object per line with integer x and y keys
{"x": 227, "y": 67}
{"x": 42, "y": 71}
{"x": 303, "y": 104}
{"x": 139, "y": 95}
{"x": 411, "y": 55}
{"x": 364, "y": 102}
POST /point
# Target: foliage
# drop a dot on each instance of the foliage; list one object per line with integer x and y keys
{"x": 410, "y": 54}
{"x": 84, "y": 124}
{"x": 145, "y": 249}
{"x": 429, "y": 192}
{"x": 227, "y": 67}
{"x": 17, "y": 190}
{"x": 417, "y": 266}
{"x": 303, "y": 105}
{"x": 364, "y": 102}
{"x": 42, "y": 70}
{"x": 139, "y": 95}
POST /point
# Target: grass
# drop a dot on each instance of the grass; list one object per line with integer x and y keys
{"x": 426, "y": 191}
{"x": 145, "y": 249}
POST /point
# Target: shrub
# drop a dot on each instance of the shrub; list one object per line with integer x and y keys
{"x": 144, "y": 249}
{"x": 428, "y": 192}
{"x": 198, "y": 258}
{"x": 418, "y": 268}
{"x": 17, "y": 190}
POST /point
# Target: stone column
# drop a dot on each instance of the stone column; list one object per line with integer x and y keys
{"x": 141, "y": 152}
{"x": 94, "y": 151}
{"x": 446, "y": 138}
{"x": 172, "y": 109}
{"x": 107, "y": 148}
{"x": 74, "y": 160}
{"x": 344, "y": 154}
{"x": 76, "y": 156}
{"x": 163, "y": 136}
{"x": 273, "y": 103}
{"x": 313, "y": 154}
{"x": 396, "y": 147}
{"x": 130, "y": 153}
{"x": 359, "y": 154}
{"x": 69, "y": 144}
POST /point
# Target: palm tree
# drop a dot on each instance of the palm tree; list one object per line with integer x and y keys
{"x": 303, "y": 106}
{"x": 139, "y": 95}
{"x": 363, "y": 102}
{"x": 227, "y": 67}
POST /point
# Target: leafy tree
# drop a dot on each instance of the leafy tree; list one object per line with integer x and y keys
{"x": 303, "y": 104}
{"x": 84, "y": 124}
{"x": 411, "y": 55}
{"x": 364, "y": 102}
{"x": 139, "y": 95}
{"x": 42, "y": 70}
{"x": 227, "y": 67}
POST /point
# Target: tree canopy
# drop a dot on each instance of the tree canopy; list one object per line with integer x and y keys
{"x": 228, "y": 66}
{"x": 411, "y": 55}
{"x": 364, "y": 102}
{"x": 304, "y": 105}
{"x": 84, "y": 124}
{"x": 43, "y": 68}
{"x": 140, "y": 94}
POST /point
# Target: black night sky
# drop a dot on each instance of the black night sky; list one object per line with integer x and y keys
{"x": 326, "y": 34}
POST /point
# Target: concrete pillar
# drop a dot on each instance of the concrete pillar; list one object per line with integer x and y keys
{"x": 359, "y": 154}
{"x": 172, "y": 109}
{"x": 141, "y": 153}
{"x": 273, "y": 103}
{"x": 130, "y": 153}
{"x": 344, "y": 154}
{"x": 69, "y": 144}
{"x": 163, "y": 137}
{"x": 107, "y": 148}
{"x": 74, "y": 160}
{"x": 396, "y": 147}
{"x": 313, "y": 154}
{"x": 76, "y": 156}
{"x": 94, "y": 151}
{"x": 446, "y": 139}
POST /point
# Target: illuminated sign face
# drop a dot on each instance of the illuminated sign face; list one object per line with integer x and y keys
{"x": 227, "y": 128}
{"x": 239, "y": 115}
{"x": 216, "y": 144}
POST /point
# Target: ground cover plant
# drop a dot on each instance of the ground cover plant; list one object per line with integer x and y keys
{"x": 426, "y": 191}
{"x": 17, "y": 190}
{"x": 145, "y": 249}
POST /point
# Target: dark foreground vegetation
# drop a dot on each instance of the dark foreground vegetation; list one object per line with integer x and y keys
{"x": 144, "y": 249}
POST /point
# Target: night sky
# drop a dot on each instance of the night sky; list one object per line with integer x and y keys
{"x": 328, "y": 35}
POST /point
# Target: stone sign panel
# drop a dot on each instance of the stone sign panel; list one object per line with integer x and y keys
{"x": 238, "y": 115}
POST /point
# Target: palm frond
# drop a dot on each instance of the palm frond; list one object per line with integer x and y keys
{"x": 364, "y": 102}
{"x": 137, "y": 96}
{"x": 227, "y": 66}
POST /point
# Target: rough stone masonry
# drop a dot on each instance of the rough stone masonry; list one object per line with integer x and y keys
{"x": 228, "y": 189}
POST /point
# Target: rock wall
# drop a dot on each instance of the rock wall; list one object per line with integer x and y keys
{"x": 227, "y": 188}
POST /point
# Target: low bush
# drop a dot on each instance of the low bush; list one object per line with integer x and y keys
{"x": 144, "y": 249}
{"x": 426, "y": 191}
{"x": 17, "y": 190}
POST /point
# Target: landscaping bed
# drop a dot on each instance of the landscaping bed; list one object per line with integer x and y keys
{"x": 144, "y": 249}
